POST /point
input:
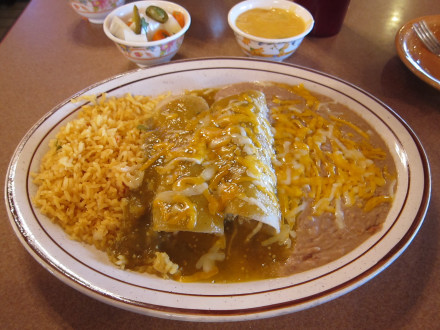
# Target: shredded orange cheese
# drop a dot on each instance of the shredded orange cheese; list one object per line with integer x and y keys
{"x": 317, "y": 158}
{"x": 221, "y": 147}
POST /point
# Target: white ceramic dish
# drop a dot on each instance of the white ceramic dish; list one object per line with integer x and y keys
{"x": 89, "y": 271}
{"x": 263, "y": 48}
{"x": 95, "y": 11}
{"x": 148, "y": 53}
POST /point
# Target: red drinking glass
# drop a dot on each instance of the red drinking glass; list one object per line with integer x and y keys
{"x": 328, "y": 15}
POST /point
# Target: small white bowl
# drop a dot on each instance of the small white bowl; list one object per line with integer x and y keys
{"x": 271, "y": 49}
{"x": 95, "y": 11}
{"x": 147, "y": 53}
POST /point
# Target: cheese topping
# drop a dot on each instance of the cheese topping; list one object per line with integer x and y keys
{"x": 299, "y": 171}
{"x": 218, "y": 161}
{"x": 327, "y": 162}
{"x": 218, "y": 164}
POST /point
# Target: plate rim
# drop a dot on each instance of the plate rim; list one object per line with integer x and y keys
{"x": 240, "y": 314}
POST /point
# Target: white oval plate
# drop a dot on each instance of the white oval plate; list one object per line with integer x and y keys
{"x": 89, "y": 270}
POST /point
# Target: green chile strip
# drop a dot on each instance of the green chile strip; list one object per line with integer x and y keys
{"x": 157, "y": 13}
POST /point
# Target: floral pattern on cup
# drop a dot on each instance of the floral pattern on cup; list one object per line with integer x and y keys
{"x": 95, "y": 6}
{"x": 274, "y": 51}
{"x": 146, "y": 54}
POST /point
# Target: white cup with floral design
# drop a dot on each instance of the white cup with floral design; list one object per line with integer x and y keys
{"x": 95, "y": 10}
{"x": 148, "y": 53}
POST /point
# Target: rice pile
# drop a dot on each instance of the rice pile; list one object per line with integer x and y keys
{"x": 90, "y": 166}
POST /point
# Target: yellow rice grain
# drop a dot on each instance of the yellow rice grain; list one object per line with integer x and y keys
{"x": 90, "y": 164}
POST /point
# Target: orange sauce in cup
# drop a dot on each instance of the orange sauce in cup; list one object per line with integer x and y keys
{"x": 273, "y": 23}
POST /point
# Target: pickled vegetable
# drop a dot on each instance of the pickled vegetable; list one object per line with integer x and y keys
{"x": 140, "y": 27}
{"x": 179, "y": 18}
{"x": 160, "y": 34}
{"x": 136, "y": 20}
{"x": 157, "y": 13}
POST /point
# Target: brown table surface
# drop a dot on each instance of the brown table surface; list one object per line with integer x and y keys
{"x": 51, "y": 53}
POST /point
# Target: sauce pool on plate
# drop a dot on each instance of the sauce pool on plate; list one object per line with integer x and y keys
{"x": 272, "y": 23}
